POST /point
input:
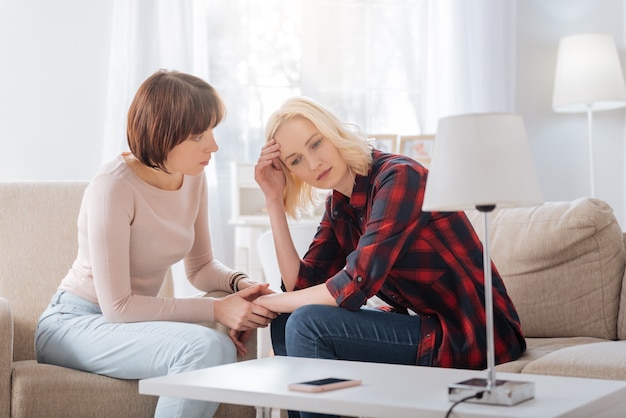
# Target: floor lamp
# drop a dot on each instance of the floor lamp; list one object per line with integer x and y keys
{"x": 588, "y": 78}
{"x": 482, "y": 161}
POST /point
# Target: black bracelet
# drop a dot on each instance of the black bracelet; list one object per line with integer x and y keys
{"x": 234, "y": 281}
{"x": 240, "y": 278}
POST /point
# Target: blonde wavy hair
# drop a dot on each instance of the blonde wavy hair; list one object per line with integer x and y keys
{"x": 353, "y": 146}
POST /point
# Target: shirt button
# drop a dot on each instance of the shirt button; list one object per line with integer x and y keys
{"x": 336, "y": 212}
{"x": 359, "y": 279}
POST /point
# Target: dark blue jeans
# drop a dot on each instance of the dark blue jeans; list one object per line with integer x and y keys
{"x": 329, "y": 332}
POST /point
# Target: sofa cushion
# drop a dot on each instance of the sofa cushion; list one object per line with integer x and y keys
{"x": 540, "y": 347}
{"x": 602, "y": 360}
{"x": 39, "y": 241}
{"x": 621, "y": 316}
{"x": 94, "y": 395}
{"x": 44, "y": 390}
{"x": 562, "y": 264}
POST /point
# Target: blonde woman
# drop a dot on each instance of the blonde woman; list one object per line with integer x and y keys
{"x": 373, "y": 240}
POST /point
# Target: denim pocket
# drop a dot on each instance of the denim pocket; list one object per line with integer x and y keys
{"x": 74, "y": 305}
{"x": 68, "y": 305}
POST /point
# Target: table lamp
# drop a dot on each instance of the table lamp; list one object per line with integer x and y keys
{"x": 588, "y": 78}
{"x": 482, "y": 161}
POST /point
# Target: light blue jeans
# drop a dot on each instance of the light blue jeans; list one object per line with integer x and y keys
{"x": 329, "y": 332}
{"x": 72, "y": 332}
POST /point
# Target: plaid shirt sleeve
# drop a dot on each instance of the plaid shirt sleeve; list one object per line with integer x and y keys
{"x": 386, "y": 227}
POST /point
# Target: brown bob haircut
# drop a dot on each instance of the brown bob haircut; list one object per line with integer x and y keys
{"x": 168, "y": 108}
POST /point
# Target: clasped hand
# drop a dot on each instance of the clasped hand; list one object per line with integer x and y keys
{"x": 238, "y": 313}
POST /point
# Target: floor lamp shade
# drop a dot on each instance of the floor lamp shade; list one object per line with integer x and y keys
{"x": 588, "y": 78}
{"x": 588, "y": 74}
{"x": 481, "y": 159}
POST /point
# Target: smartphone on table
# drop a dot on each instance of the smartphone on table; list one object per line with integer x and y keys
{"x": 324, "y": 385}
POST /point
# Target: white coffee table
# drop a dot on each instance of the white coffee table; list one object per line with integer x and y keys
{"x": 387, "y": 391}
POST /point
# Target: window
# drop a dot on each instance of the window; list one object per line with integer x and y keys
{"x": 362, "y": 58}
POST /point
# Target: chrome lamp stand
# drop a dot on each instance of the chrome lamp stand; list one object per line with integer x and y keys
{"x": 490, "y": 390}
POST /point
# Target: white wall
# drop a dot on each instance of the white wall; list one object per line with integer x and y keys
{"x": 52, "y": 87}
{"x": 559, "y": 141}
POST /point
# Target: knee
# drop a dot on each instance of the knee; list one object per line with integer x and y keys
{"x": 287, "y": 327}
{"x": 305, "y": 327}
{"x": 207, "y": 348}
{"x": 308, "y": 316}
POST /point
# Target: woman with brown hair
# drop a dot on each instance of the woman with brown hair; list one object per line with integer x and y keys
{"x": 144, "y": 211}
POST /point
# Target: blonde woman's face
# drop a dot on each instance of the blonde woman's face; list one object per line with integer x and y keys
{"x": 313, "y": 158}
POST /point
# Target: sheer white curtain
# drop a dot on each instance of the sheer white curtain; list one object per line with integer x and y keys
{"x": 387, "y": 65}
{"x": 367, "y": 60}
{"x": 471, "y": 58}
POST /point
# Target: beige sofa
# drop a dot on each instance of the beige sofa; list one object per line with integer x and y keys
{"x": 563, "y": 265}
{"x": 37, "y": 245}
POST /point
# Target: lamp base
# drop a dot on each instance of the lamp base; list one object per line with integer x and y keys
{"x": 505, "y": 392}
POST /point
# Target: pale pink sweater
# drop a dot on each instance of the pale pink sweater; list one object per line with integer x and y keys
{"x": 130, "y": 233}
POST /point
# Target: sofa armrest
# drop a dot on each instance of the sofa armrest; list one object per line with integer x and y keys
{"x": 251, "y": 344}
{"x": 6, "y": 356}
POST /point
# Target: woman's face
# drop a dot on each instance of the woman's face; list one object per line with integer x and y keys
{"x": 312, "y": 157}
{"x": 192, "y": 155}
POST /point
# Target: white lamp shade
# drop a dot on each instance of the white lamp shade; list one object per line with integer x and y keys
{"x": 481, "y": 159}
{"x": 588, "y": 74}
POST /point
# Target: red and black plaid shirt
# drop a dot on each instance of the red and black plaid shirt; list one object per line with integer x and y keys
{"x": 380, "y": 242}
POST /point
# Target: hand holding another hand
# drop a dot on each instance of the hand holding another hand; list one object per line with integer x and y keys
{"x": 237, "y": 312}
{"x": 263, "y": 288}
